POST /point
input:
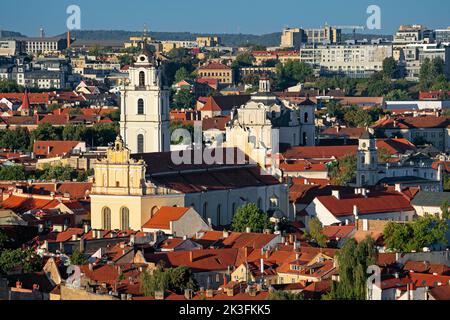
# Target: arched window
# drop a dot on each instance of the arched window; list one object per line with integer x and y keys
{"x": 219, "y": 215}
{"x": 305, "y": 139}
{"x": 205, "y": 210}
{"x": 363, "y": 180}
{"x": 140, "y": 143}
{"x": 154, "y": 211}
{"x": 106, "y": 218}
{"x": 306, "y": 117}
{"x": 125, "y": 219}
{"x": 142, "y": 79}
{"x": 140, "y": 106}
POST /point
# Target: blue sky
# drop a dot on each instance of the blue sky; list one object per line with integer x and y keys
{"x": 226, "y": 16}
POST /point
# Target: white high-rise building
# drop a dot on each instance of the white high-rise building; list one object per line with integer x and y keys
{"x": 144, "y": 119}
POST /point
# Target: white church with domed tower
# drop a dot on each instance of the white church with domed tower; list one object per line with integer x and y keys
{"x": 144, "y": 120}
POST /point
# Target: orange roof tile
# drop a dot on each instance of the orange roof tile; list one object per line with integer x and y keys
{"x": 165, "y": 215}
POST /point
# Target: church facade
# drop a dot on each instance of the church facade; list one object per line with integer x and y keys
{"x": 264, "y": 125}
{"x": 130, "y": 188}
{"x": 145, "y": 120}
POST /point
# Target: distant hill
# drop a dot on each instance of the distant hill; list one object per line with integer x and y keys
{"x": 10, "y": 34}
{"x": 271, "y": 39}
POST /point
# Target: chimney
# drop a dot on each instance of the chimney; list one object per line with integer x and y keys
{"x": 91, "y": 267}
{"x": 87, "y": 228}
{"x": 82, "y": 245}
{"x": 364, "y": 192}
{"x": 355, "y": 212}
{"x": 262, "y": 267}
{"x": 248, "y": 230}
{"x": 398, "y": 187}
{"x": 210, "y": 222}
{"x": 191, "y": 256}
{"x": 209, "y": 293}
{"x": 336, "y": 194}
{"x": 225, "y": 234}
{"x": 188, "y": 294}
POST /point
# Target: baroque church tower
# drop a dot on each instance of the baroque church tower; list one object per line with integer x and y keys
{"x": 144, "y": 119}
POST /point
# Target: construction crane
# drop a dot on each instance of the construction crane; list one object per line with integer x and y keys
{"x": 353, "y": 28}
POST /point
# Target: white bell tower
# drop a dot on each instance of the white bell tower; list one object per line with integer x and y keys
{"x": 144, "y": 119}
{"x": 367, "y": 162}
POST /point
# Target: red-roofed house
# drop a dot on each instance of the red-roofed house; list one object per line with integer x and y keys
{"x": 337, "y": 208}
{"x": 176, "y": 221}
{"x": 53, "y": 149}
{"x": 432, "y": 129}
{"x": 213, "y": 70}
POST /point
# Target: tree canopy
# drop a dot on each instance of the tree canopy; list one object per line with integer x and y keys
{"x": 316, "y": 232}
{"x": 250, "y": 216}
{"x": 425, "y": 232}
{"x": 27, "y": 259}
{"x": 354, "y": 258}
{"x": 175, "y": 280}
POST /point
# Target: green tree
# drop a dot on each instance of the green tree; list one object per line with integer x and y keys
{"x": 397, "y": 95}
{"x": 175, "y": 279}
{"x": 426, "y": 231}
{"x": 283, "y": 295}
{"x": 78, "y": 259}
{"x": 57, "y": 172}
{"x": 316, "y": 232}
{"x": 444, "y": 210}
{"x": 353, "y": 260}
{"x": 25, "y": 258}
{"x": 3, "y": 240}
{"x": 334, "y": 109}
{"x": 8, "y": 86}
{"x": 184, "y": 99}
{"x": 46, "y": 132}
{"x": 18, "y": 139}
{"x": 182, "y": 74}
{"x": 343, "y": 170}
{"x": 250, "y": 216}
{"x": 390, "y": 68}
{"x": 383, "y": 155}
{"x": 13, "y": 173}
{"x": 291, "y": 73}
{"x": 74, "y": 132}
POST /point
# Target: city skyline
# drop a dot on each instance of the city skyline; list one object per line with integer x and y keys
{"x": 180, "y": 16}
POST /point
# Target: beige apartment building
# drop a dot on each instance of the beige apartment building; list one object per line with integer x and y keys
{"x": 292, "y": 37}
{"x": 356, "y": 61}
{"x": 295, "y": 37}
{"x": 208, "y": 41}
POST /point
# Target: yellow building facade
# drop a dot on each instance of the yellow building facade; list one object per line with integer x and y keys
{"x": 120, "y": 197}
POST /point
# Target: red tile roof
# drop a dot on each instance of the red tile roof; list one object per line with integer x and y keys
{"x": 165, "y": 215}
{"x": 52, "y": 149}
{"x": 379, "y": 202}
{"x": 340, "y": 232}
{"x": 214, "y": 66}
{"x": 353, "y": 133}
{"x": 203, "y": 260}
{"x": 441, "y": 293}
{"x": 218, "y": 123}
{"x": 412, "y": 122}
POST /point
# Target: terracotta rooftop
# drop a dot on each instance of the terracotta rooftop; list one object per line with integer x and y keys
{"x": 377, "y": 202}
{"x": 165, "y": 215}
